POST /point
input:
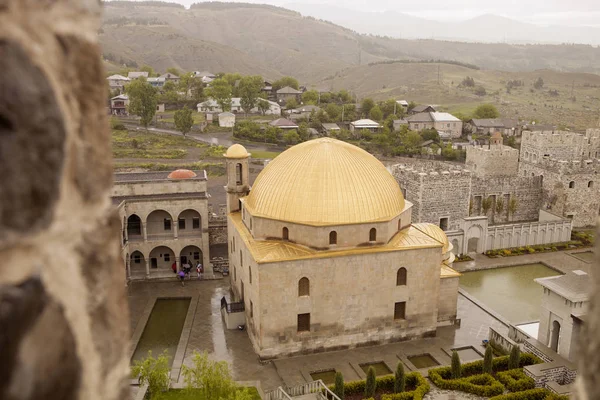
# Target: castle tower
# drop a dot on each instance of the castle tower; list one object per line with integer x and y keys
{"x": 496, "y": 139}
{"x": 236, "y": 159}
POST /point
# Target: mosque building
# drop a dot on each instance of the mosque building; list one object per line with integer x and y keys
{"x": 324, "y": 256}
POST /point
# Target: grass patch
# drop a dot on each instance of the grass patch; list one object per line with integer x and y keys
{"x": 142, "y": 140}
{"x": 212, "y": 169}
{"x": 264, "y": 154}
{"x": 149, "y": 153}
{"x": 194, "y": 394}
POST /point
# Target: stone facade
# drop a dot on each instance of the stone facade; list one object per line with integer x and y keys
{"x": 492, "y": 160}
{"x": 64, "y": 318}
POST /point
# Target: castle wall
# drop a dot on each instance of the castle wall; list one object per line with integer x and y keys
{"x": 494, "y": 160}
{"x": 560, "y": 145}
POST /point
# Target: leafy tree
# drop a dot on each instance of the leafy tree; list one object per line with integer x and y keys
{"x": 468, "y": 82}
{"x": 169, "y": 86}
{"x": 539, "y": 83}
{"x": 310, "y": 97}
{"x": 512, "y": 205}
{"x": 286, "y": 81}
{"x": 303, "y": 132}
{"x": 499, "y": 206}
{"x": 412, "y": 141}
{"x": 174, "y": 71}
{"x": 291, "y": 103}
{"x": 149, "y": 70}
{"x": 184, "y": 120}
{"x": 376, "y": 114}
{"x": 486, "y": 204}
{"x": 326, "y": 98}
{"x": 480, "y": 91}
{"x": 399, "y": 378}
{"x": 234, "y": 81}
{"x": 291, "y": 137}
{"x": 449, "y": 153}
{"x": 487, "y": 360}
{"x": 321, "y": 116}
{"x": 272, "y": 134}
{"x": 338, "y": 387}
{"x": 185, "y": 83}
{"x": 371, "y": 384}
{"x": 486, "y": 111}
{"x": 512, "y": 142}
{"x": 514, "y": 358}
{"x": 142, "y": 100}
{"x": 431, "y": 134}
{"x": 263, "y": 106}
{"x": 210, "y": 379}
{"x": 462, "y": 117}
{"x": 344, "y": 97}
{"x": 366, "y": 105}
{"x": 249, "y": 89}
{"x": 388, "y": 107}
{"x": 220, "y": 91}
{"x": 455, "y": 365}
{"x": 154, "y": 372}
{"x": 333, "y": 111}
{"x": 349, "y": 112}
{"x": 169, "y": 94}
{"x": 411, "y": 105}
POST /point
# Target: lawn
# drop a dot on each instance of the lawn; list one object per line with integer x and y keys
{"x": 264, "y": 154}
{"x": 168, "y": 116}
{"x": 212, "y": 169}
{"x": 193, "y": 394}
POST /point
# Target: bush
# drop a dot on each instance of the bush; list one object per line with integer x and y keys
{"x": 338, "y": 388}
{"x": 515, "y": 380}
{"x": 386, "y": 384}
{"x": 533, "y": 394}
{"x": 371, "y": 384}
{"x": 399, "y": 378}
{"x": 481, "y": 385}
{"x": 515, "y": 355}
{"x": 455, "y": 365}
{"x": 487, "y": 360}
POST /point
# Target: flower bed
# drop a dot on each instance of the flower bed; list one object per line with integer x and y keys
{"x": 532, "y": 394}
{"x": 542, "y": 248}
{"x": 463, "y": 258}
{"x": 416, "y": 388}
{"x": 515, "y": 380}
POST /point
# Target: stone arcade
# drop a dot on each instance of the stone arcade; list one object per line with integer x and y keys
{"x": 324, "y": 256}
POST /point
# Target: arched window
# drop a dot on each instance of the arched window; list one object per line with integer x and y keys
{"x": 572, "y": 185}
{"x": 401, "y": 277}
{"x": 591, "y": 184}
{"x": 399, "y": 224}
{"x": 303, "y": 287}
{"x": 333, "y": 237}
{"x": 285, "y": 234}
{"x": 238, "y": 174}
{"x": 372, "y": 235}
{"x": 250, "y": 274}
{"x": 241, "y": 261}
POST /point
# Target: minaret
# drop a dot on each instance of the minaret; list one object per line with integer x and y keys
{"x": 236, "y": 159}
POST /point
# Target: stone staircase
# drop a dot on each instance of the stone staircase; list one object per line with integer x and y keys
{"x": 315, "y": 390}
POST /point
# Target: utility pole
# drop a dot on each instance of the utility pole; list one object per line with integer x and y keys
{"x": 572, "y": 89}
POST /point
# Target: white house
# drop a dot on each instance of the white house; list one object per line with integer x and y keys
{"x": 403, "y": 104}
{"x": 118, "y": 104}
{"x": 226, "y": 120}
{"x": 157, "y": 82}
{"x": 117, "y": 81}
{"x": 137, "y": 74}
{"x": 364, "y": 124}
{"x": 211, "y": 105}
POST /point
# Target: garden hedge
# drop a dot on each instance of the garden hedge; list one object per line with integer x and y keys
{"x": 386, "y": 384}
{"x": 481, "y": 385}
{"x": 515, "y": 380}
{"x": 533, "y": 394}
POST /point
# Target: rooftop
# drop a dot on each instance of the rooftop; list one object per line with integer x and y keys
{"x": 122, "y": 177}
{"x": 137, "y": 74}
{"x": 283, "y": 123}
{"x": 368, "y": 123}
{"x": 574, "y": 286}
{"x": 288, "y": 90}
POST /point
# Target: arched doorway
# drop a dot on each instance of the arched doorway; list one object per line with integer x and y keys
{"x": 159, "y": 225}
{"x": 191, "y": 254}
{"x": 161, "y": 259}
{"x": 137, "y": 264}
{"x": 554, "y": 339}
{"x": 134, "y": 228}
{"x": 472, "y": 245}
{"x": 189, "y": 223}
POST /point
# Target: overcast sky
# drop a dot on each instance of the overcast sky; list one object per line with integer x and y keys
{"x": 560, "y": 12}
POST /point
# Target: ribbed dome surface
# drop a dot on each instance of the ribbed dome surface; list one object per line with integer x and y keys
{"x": 325, "y": 182}
{"x": 182, "y": 174}
{"x": 236, "y": 151}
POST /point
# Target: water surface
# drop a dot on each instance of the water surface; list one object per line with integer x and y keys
{"x": 509, "y": 291}
{"x": 380, "y": 368}
{"x": 423, "y": 361}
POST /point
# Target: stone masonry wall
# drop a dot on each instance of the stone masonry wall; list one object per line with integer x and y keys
{"x": 492, "y": 161}
{"x": 64, "y": 323}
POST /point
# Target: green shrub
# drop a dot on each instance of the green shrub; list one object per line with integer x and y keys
{"x": 481, "y": 385}
{"x": 515, "y": 355}
{"x": 515, "y": 380}
{"x": 399, "y": 378}
{"x": 455, "y": 365}
{"x": 533, "y": 394}
{"x": 339, "y": 385}
{"x": 386, "y": 384}
{"x": 487, "y": 360}
{"x": 371, "y": 384}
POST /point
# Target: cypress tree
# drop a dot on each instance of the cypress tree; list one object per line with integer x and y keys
{"x": 400, "y": 380}
{"x": 487, "y": 360}
{"x": 371, "y": 384}
{"x": 455, "y": 365}
{"x": 338, "y": 388}
{"x": 514, "y": 358}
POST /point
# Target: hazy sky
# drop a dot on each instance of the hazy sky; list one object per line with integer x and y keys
{"x": 561, "y": 12}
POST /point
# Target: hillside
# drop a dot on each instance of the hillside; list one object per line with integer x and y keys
{"x": 419, "y": 82}
{"x": 273, "y": 41}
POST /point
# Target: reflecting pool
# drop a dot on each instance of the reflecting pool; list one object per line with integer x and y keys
{"x": 163, "y": 329}
{"x": 509, "y": 291}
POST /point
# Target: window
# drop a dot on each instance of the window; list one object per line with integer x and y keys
{"x": 400, "y": 310}
{"x": 572, "y": 185}
{"x": 167, "y": 257}
{"x": 333, "y": 237}
{"x": 241, "y": 261}
{"x": 372, "y": 235}
{"x": 250, "y": 274}
{"x": 167, "y": 224}
{"x": 250, "y": 223}
{"x": 401, "y": 277}
{"x": 196, "y": 255}
{"x": 304, "y": 322}
{"x": 195, "y": 223}
{"x": 238, "y": 174}
{"x": 137, "y": 259}
{"x": 399, "y": 224}
{"x": 444, "y": 224}
{"x": 303, "y": 287}
{"x": 233, "y": 244}
{"x": 181, "y": 223}
{"x": 234, "y": 274}
{"x": 591, "y": 184}
{"x": 251, "y": 309}
{"x": 285, "y": 234}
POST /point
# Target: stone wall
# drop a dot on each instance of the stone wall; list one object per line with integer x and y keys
{"x": 493, "y": 160}
{"x": 560, "y": 145}
{"x": 527, "y": 234}
{"x": 217, "y": 234}
{"x": 65, "y": 326}
{"x": 448, "y": 299}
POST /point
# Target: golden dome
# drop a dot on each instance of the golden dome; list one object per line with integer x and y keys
{"x": 325, "y": 182}
{"x": 182, "y": 174}
{"x": 435, "y": 232}
{"x": 236, "y": 151}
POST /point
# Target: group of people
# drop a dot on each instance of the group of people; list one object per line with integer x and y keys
{"x": 186, "y": 270}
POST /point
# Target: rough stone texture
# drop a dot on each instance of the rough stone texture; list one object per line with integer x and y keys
{"x": 492, "y": 160}
{"x": 63, "y": 310}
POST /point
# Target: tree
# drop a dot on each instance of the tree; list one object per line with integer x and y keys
{"x": 376, "y": 114}
{"x": 173, "y": 71}
{"x": 499, "y": 206}
{"x": 303, "y": 132}
{"x": 431, "y": 134}
{"x": 149, "y": 70}
{"x": 412, "y": 141}
{"x": 480, "y": 91}
{"x": 487, "y": 360}
{"x": 366, "y": 105}
{"x": 411, "y": 105}
{"x": 333, "y": 111}
{"x": 338, "y": 388}
{"x": 539, "y": 83}
{"x": 399, "y": 378}
{"x": 286, "y": 81}
{"x": 310, "y": 97}
{"x": 249, "y": 90}
{"x": 512, "y": 206}
{"x": 291, "y": 103}
{"x": 196, "y": 90}
{"x": 220, "y": 91}
{"x": 486, "y": 111}
{"x": 263, "y": 106}
{"x": 291, "y": 137}
{"x": 388, "y": 107}
{"x": 142, "y": 100}
{"x": 184, "y": 120}
{"x": 468, "y": 82}
{"x": 455, "y": 365}
{"x": 211, "y": 380}
{"x": 515, "y": 357}
{"x": 344, "y": 97}
{"x": 486, "y": 204}
{"x": 154, "y": 372}
{"x": 371, "y": 384}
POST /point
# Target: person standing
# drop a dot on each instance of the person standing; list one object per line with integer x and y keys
{"x": 174, "y": 267}
{"x": 182, "y": 277}
{"x": 200, "y": 270}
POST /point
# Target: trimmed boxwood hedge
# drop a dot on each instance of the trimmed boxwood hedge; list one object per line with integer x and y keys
{"x": 386, "y": 384}
{"x": 515, "y": 380}
{"x": 533, "y": 394}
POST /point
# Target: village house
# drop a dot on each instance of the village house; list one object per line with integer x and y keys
{"x": 211, "y": 105}
{"x": 447, "y": 125}
{"x": 398, "y": 124}
{"x": 156, "y": 82}
{"x": 283, "y": 123}
{"x": 422, "y": 109}
{"x": 205, "y": 76}
{"x": 226, "y": 120}
{"x": 364, "y": 125}
{"x": 329, "y": 128}
{"x": 118, "y": 105}
{"x": 117, "y": 82}
{"x": 137, "y": 74}
{"x": 286, "y": 93}
{"x": 403, "y": 104}
{"x": 169, "y": 77}
{"x": 487, "y": 126}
